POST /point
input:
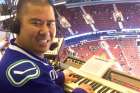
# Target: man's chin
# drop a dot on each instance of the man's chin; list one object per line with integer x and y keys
{"x": 40, "y": 53}
{"x": 43, "y": 50}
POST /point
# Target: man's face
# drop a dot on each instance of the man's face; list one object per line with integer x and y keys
{"x": 37, "y": 28}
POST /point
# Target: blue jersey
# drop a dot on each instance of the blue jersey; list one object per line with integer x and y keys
{"x": 23, "y": 72}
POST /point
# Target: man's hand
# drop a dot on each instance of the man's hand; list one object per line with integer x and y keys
{"x": 68, "y": 76}
{"x": 87, "y": 88}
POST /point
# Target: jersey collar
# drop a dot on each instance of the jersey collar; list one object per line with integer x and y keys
{"x": 14, "y": 46}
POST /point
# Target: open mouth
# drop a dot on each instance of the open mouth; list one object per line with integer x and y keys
{"x": 43, "y": 42}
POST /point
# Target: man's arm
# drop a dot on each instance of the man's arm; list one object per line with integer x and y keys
{"x": 61, "y": 79}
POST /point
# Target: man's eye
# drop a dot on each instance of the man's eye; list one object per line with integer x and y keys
{"x": 37, "y": 22}
{"x": 50, "y": 24}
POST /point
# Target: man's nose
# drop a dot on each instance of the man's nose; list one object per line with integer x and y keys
{"x": 45, "y": 31}
{"x": 45, "y": 28}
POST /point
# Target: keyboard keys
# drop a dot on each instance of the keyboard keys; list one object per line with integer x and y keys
{"x": 82, "y": 81}
{"x": 78, "y": 78}
{"x": 106, "y": 90}
{"x": 115, "y": 91}
{"x": 97, "y": 87}
{"x": 87, "y": 81}
{"x": 101, "y": 89}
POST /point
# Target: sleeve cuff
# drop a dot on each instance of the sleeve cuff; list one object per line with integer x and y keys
{"x": 79, "y": 90}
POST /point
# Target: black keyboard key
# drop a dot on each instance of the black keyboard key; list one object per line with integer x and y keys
{"x": 106, "y": 90}
{"x": 86, "y": 81}
{"x": 115, "y": 91}
{"x": 81, "y": 82}
{"x": 102, "y": 89}
{"x": 97, "y": 86}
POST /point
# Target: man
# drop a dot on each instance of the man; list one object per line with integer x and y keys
{"x": 23, "y": 68}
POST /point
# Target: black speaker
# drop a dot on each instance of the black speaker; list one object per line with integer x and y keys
{"x": 138, "y": 43}
{"x": 15, "y": 26}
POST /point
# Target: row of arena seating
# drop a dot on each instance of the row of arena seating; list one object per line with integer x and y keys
{"x": 102, "y": 15}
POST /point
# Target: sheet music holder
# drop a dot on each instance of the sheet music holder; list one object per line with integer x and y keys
{"x": 97, "y": 66}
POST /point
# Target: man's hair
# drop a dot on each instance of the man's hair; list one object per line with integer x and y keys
{"x": 22, "y": 3}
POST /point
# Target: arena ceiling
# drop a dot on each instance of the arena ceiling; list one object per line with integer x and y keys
{"x": 77, "y": 3}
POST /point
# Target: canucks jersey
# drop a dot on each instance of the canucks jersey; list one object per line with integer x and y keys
{"x": 23, "y": 72}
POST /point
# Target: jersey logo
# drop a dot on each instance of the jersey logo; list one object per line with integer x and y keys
{"x": 53, "y": 74}
{"x": 20, "y": 72}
